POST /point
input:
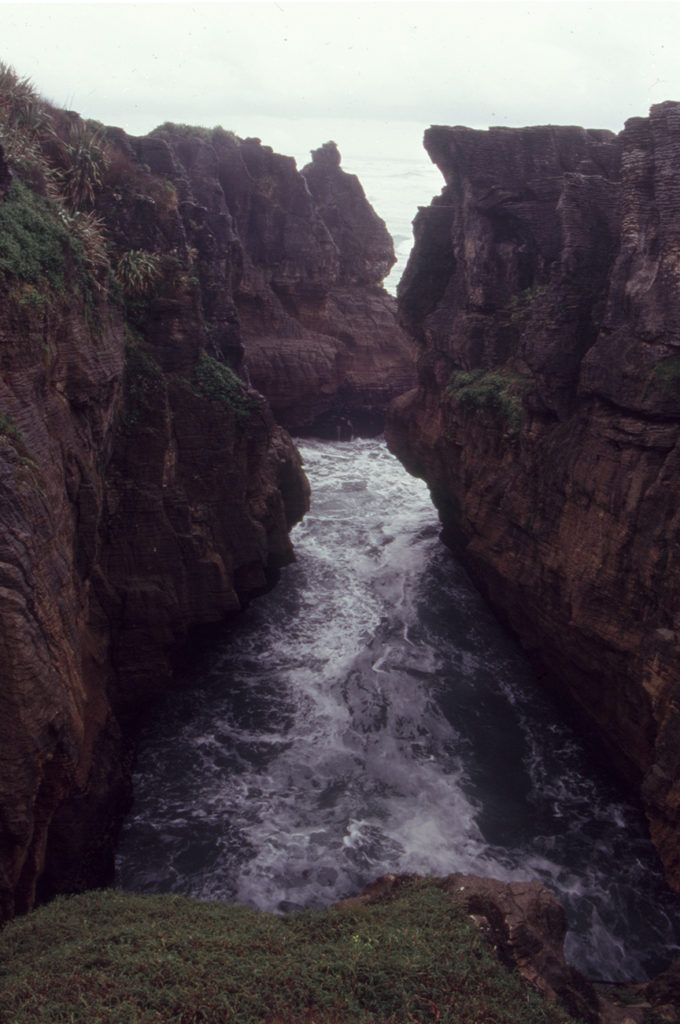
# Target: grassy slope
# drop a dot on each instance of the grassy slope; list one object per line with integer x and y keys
{"x": 110, "y": 956}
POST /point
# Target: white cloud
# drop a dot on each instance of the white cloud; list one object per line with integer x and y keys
{"x": 371, "y": 75}
{"x": 444, "y": 62}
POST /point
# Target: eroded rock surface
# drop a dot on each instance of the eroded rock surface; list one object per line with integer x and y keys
{"x": 542, "y": 294}
{"x": 319, "y": 334}
{"x": 144, "y": 489}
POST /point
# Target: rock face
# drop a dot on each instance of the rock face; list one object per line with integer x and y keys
{"x": 319, "y": 335}
{"x": 144, "y": 489}
{"x": 542, "y": 294}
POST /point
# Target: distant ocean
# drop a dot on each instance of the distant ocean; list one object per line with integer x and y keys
{"x": 396, "y": 188}
{"x": 388, "y": 157}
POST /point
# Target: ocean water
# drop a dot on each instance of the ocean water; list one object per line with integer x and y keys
{"x": 369, "y": 715}
{"x": 396, "y": 188}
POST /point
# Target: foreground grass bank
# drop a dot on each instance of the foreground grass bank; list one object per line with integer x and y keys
{"x": 123, "y": 959}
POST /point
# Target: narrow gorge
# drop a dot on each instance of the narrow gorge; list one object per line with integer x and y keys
{"x": 147, "y": 490}
{"x": 176, "y": 308}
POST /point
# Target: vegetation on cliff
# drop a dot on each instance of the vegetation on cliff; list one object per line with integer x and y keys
{"x": 497, "y": 390}
{"x": 122, "y": 959}
{"x": 139, "y": 495}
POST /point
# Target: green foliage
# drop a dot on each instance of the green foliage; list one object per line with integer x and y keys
{"x": 143, "y": 382}
{"x": 9, "y": 430}
{"x": 185, "y": 130}
{"x": 39, "y": 240}
{"x": 164, "y": 195}
{"x": 522, "y": 303}
{"x": 18, "y": 98}
{"x": 497, "y": 390}
{"x": 193, "y": 131}
{"x": 25, "y": 122}
{"x": 121, "y": 959}
{"x": 88, "y": 241}
{"x": 137, "y": 271}
{"x": 219, "y": 383}
{"x": 667, "y": 374}
{"x": 33, "y": 238}
{"x": 34, "y": 229}
{"x": 85, "y": 160}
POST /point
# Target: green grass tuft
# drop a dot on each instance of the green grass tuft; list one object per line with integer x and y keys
{"x": 496, "y": 390}
{"x": 667, "y": 375}
{"x": 9, "y": 430}
{"x": 218, "y": 382}
{"x": 143, "y": 383}
{"x": 32, "y": 238}
{"x": 122, "y": 959}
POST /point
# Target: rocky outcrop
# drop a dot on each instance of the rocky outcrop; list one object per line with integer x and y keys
{"x": 319, "y": 335}
{"x": 144, "y": 489}
{"x": 542, "y": 294}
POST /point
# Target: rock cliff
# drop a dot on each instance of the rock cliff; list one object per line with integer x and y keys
{"x": 542, "y": 295}
{"x": 319, "y": 336}
{"x": 145, "y": 490}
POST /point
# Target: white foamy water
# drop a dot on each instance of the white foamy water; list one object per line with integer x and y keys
{"x": 369, "y": 715}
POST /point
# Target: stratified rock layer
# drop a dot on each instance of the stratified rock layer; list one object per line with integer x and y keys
{"x": 319, "y": 334}
{"x": 144, "y": 490}
{"x": 543, "y": 295}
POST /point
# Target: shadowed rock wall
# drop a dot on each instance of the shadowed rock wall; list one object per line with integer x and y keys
{"x": 144, "y": 489}
{"x": 542, "y": 294}
{"x": 319, "y": 334}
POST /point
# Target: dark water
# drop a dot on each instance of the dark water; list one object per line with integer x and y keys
{"x": 370, "y": 715}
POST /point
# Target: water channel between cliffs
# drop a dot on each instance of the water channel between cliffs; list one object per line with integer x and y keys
{"x": 370, "y": 715}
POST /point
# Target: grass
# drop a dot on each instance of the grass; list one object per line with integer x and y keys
{"x": 667, "y": 375}
{"x": 46, "y": 221}
{"x": 9, "y": 430}
{"x": 123, "y": 959}
{"x": 497, "y": 390}
{"x": 137, "y": 271}
{"x": 143, "y": 382}
{"x": 33, "y": 239}
{"x": 192, "y": 131}
{"x": 521, "y": 304}
{"x": 218, "y": 382}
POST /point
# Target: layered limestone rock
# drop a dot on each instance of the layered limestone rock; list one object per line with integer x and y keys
{"x": 320, "y": 335}
{"x": 542, "y": 293}
{"x": 144, "y": 489}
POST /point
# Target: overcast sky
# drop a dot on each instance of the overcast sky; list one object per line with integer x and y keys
{"x": 370, "y": 75}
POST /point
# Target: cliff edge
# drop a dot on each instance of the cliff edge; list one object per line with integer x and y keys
{"x": 145, "y": 489}
{"x": 542, "y": 295}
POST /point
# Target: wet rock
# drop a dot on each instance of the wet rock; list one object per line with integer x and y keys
{"x": 144, "y": 492}
{"x": 541, "y": 296}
